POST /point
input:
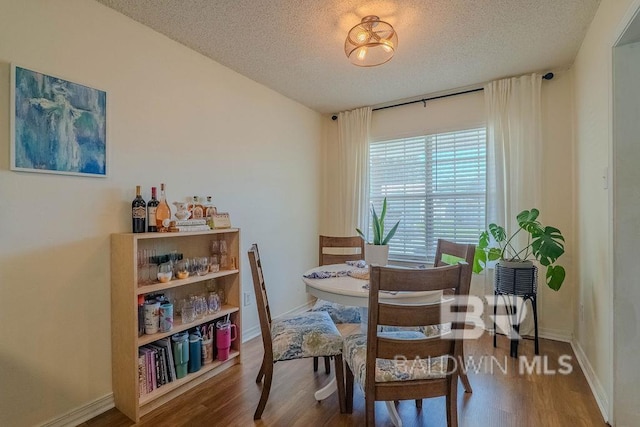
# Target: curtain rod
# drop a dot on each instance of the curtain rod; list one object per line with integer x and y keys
{"x": 547, "y": 76}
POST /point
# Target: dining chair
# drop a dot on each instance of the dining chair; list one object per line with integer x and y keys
{"x": 398, "y": 365}
{"x": 338, "y": 250}
{"x": 312, "y": 334}
{"x": 448, "y": 253}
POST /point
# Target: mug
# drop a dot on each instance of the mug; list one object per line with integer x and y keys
{"x": 180, "y": 353}
{"x": 151, "y": 317}
{"x": 195, "y": 352}
{"x": 207, "y": 351}
{"x": 166, "y": 317}
{"x": 224, "y": 337}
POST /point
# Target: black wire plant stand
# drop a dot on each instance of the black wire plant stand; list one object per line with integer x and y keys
{"x": 511, "y": 284}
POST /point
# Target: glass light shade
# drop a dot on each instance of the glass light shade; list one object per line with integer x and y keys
{"x": 372, "y": 42}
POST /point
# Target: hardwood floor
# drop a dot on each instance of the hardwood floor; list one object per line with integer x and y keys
{"x": 500, "y": 399}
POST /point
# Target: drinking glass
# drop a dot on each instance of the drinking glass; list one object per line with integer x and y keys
{"x": 165, "y": 272}
{"x": 182, "y": 269}
{"x": 201, "y": 307}
{"x": 188, "y": 312}
{"x": 215, "y": 247}
{"x": 213, "y": 303}
{"x": 141, "y": 263}
{"x": 202, "y": 265}
{"x": 224, "y": 260}
{"x": 214, "y": 266}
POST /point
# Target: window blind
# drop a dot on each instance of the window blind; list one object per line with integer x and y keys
{"x": 435, "y": 185}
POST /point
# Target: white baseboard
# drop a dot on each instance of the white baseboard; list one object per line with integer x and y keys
{"x": 556, "y": 335}
{"x": 103, "y": 404}
{"x": 250, "y": 333}
{"x": 83, "y": 413}
{"x": 592, "y": 379}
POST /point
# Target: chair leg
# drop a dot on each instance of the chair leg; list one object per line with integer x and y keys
{"x": 465, "y": 383}
{"x": 348, "y": 389}
{"x": 370, "y": 411}
{"x": 452, "y": 402}
{"x": 266, "y": 388}
{"x": 315, "y": 364}
{"x": 339, "y": 367}
{"x": 463, "y": 374}
{"x": 260, "y": 372}
{"x": 419, "y": 403}
{"x": 327, "y": 365}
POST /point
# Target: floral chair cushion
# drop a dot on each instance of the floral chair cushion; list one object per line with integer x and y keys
{"x": 312, "y": 334}
{"x": 355, "y": 355}
{"x": 339, "y": 313}
{"x": 429, "y": 331}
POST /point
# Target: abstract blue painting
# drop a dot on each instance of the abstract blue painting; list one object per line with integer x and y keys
{"x": 57, "y": 126}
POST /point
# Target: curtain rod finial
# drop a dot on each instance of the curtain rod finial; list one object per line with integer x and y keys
{"x": 334, "y": 117}
{"x": 548, "y": 76}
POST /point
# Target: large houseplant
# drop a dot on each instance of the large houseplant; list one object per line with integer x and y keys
{"x": 544, "y": 243}
{"x": 377, "y": 252}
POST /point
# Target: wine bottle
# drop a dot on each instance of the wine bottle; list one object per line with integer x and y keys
{"x": 138, "y": 213}
{"x": 163, "y": 211}
{"x": 151, "y": 211}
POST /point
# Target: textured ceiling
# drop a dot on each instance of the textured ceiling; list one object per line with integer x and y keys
{"x": 296, "y": 47}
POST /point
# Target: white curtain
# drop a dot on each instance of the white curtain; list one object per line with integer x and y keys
{"x": 346, "y": 171}
{"x": 514, "y": 155}
{"x": 514, "y": 151}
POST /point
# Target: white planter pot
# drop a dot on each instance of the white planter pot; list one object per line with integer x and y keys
{"x": 376, "y": 254}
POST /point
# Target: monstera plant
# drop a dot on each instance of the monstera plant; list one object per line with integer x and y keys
{"x": 544, "y": 244}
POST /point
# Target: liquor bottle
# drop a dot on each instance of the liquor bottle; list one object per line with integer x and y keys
{"x": 163, "y": 211}
{"x": 197, "y": 211}
{"x": 151, "y": 211}
{"x": 138, "y": 213}
{"x": 209, "y": 211}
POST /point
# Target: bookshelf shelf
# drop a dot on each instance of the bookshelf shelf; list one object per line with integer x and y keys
{"x": 167, "y": 388}
{"x": 125, "y": 291}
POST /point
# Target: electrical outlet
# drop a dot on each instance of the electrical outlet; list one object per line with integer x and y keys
{"x": 247, "y": 298}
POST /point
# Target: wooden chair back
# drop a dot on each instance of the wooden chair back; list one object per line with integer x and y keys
{"x": 343, "y": 244}
{"x": 449, "y": 253}
{"x": 262, "y": 302}
{"x": 388, "y": 279}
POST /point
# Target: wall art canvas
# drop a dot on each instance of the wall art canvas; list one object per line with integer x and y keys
{"x": 57, "y": 126}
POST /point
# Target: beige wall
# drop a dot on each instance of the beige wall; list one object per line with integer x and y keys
{"x": 593, "y": 127}
{"x": 174, "y": 116}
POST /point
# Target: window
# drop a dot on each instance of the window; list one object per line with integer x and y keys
{"x": 435, "y": 185}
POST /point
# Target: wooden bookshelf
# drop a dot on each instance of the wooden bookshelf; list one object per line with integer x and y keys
{"x": 125, "y": 290}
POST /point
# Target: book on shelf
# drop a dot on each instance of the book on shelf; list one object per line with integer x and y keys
{"x": 160, "y": 376}
{"x": 188, "y": 228}
{"x": 171, "y": 367}
{"x": 142, "y": 373}
{"x": 151, "y": 369}
{"x": 189, "y": 222}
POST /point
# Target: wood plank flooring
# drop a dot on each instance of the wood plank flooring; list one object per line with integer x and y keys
{"x": 500, "y": 399}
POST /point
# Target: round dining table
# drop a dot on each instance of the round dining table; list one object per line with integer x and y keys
{"x": 349, "y": 285}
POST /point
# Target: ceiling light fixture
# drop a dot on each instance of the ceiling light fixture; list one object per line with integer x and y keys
{"x": 372, "y": 42}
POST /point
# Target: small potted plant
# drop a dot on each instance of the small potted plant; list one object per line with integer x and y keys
{"x": 378, "y": 251}
{"x": 544, "y": 243}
